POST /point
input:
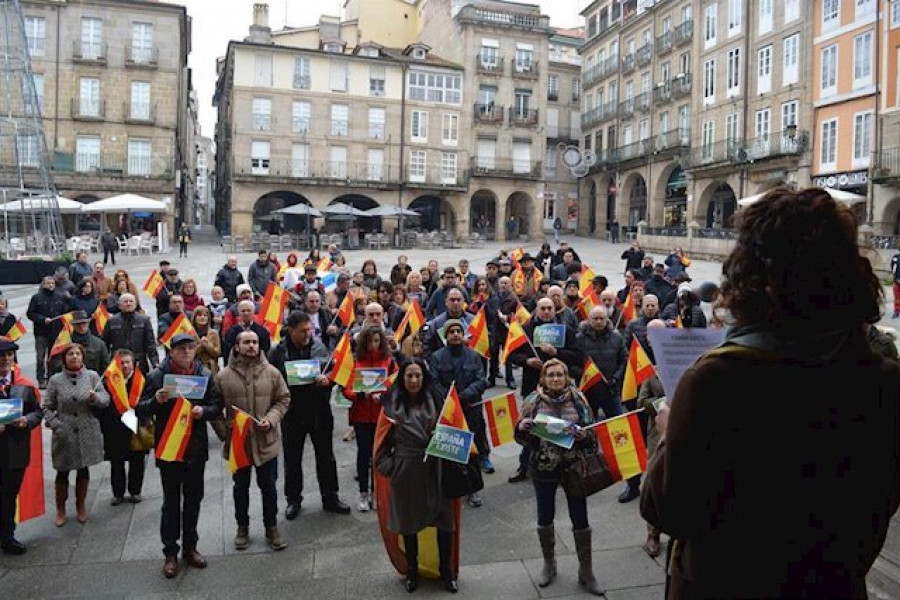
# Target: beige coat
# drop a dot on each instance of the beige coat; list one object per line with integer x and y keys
{"x": 256, "y": 387}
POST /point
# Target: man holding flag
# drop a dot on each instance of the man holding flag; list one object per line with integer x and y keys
{"x": 15, "y": 446}
{"x": 181, "y": 449}
{"x": 600, "y": 343}
{"x": 246, "y": 322}
{"x": 44, "y": 309}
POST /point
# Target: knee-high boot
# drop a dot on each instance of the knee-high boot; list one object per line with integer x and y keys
{"x": 547, "y": 536}
{"x": 445, "y": 555}
{"x": 585, "y": 563}
{"x": 62, "y": 494}
{"x": 411, "y": 548}
{"x": 81, "y": 489}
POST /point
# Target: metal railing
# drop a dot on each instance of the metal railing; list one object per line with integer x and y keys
{"x": 664, "y": 42}
{"x": 527, "y": 70}
{"x": 527, "y": 118}
{"x": 88, "y": 52}
{"x": 666, "y": 231}
{"x": 626, "y": 107}
{"x": 138, "y": 113}
{"x": 681, "y": 86}
{"x": 37, "y": 46}
{"x": 644, "y": 54}
{"x": 600, "y": 114}
{"x": 563, "y": 133}
{"x": 112, "y": 165}
{"x": 488, "y": 113}
{"x": 662, "y": 93}
{"x": 601, "y": 70}
{"x": 628, "y": 63}
{"x": 346, "y": 171}
{"x": 777, "y": 144}
{"x": 87, "y": 110}
{"x": 715, "y": 153}
{"x": 683, "y": 33}
{"x": 141, "y": 57}
{"x": 496, "y": 17}
{"x": 642, "y": 102}
{"x": 494, "y": 67}
{"x": 635, "y": 150}
{"x": 672, "y": 139}
{"x": 714, "y": 233}
{"x": 887, "y": 164}
{"x": 507, "y": 167}
{"x": 883, "y": 242}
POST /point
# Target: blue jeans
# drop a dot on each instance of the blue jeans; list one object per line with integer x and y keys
{"x": 545, "y": 494}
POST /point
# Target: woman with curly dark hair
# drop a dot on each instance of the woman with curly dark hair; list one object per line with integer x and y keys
{"x": 778, "y": 471}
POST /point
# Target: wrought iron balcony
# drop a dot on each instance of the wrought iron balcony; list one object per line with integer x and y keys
{"x": 316, "y": 170}
{"x": 88, "y": 52}
{"x": 87, "y": 164}
{"x": 681, "y": 86}
{"x": 662, "y": 93}
{"x": 87, "y": 110}
{"x": 673, "y": 139}
{"x": 600, "y": 114}
{"x": 639, "y": 149}
{"x": 435, "y": 177}
{"x": 628, "y": 63}
{"x": 489, "y": 65}
{"x": 664, "y": 42}
{"x": 141, "y": 58}
{"x": 523, "y": 118}
{"x": 642, "y": 102}
{"x": 887, "y": 165}
{"x": 489, "y": 166}
{"x": 644, "y": 54}
{"x": 141, "y": 114}
{"x": 723, "y": 151}
{"x": 601, "y": 70}
{"x": 775, "y": 145}
{"x": 525, "y": 70}
{"x": 497, "y": 18}
{"x": 626, "y": 107}
{"x": 488, "y": 113}
{"x": 683, "y": 33}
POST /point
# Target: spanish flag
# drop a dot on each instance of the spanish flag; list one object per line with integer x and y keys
{"x": 174, "y": 439}
{"x": 240, "y": 430}
{"x": 591, "y": 375}
{"x": 587, "y": 303}
{"x": 478, "y": 335}
{"x": 414, "y": 317}
{"x": 522, "y": 314}
{"x": 153, "y": 284}
{"x": 67, "y": 321}
{"x": 515, "y": 339}
{"x": 101, "y": 316}
{"x": 515, "y": 256}
{"x": 272, "y": 308}
{"x": 452, "y": 412}
{"x": 638, "y": 370}
{"x": 30, "y": 501}
{"x": 345, "y": 313}
{"x": 679, "y": 324}
{"x": 137, "y": 387}
{"x": 628, "y": 310}
{"x": 623, "y": 445}
{"x": 62, "y": 340}
{"x": 502, "y": 416}
{"x": 342, "y": 371}
{"x": 325, "y": 264}
{"x": 181, "y": 324}
{"x": 586, "y": 279}
{"x": 17, "y": 330}
{"x": 115, "y": 381}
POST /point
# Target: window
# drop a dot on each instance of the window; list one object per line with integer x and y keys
{"x": 684, "y": 122}
{"x": 831, "y": 14}
{"x": 645, "y": 82}
{"x": 862, "y": 60}
{"x": 553, "y": 87}
{"x": 262, "y": 70}
{"x": 731, "y": 130}
{"x": 487, "y": 95}
{"x": 765, "y": 16}
{"x": 790, "y": 66}
{"x": 34, "y": 106}
{"x": 710, "y": 24}
{"x": 338, "y": 162}
{"x": 339, "y": 76}
{"x": 87, "y": 153}
{"x": 663, "y": 123}
{"x": 28, "y": 149}
{"x": 259, "y": 158}
{"x": 375, "y": 164}
{"x": 862, "y": 139}
{"x": 376, "y": 80}
{"x": 91, "y": 38}
{"x": 708, "y": 138}
{"x": 733, "y": 74}
{"x": 684, "y": 63}
{"x": 340, "y": 119}
{"x": 791, "y": 10}
{"x": 643, "y": 130}
{"x": 521, "y": 155}
{"x": 417, "y": 163}
{"x": 138, "y": 157}
{"x": 895, "y": 13}
{"x": 829, "y": 70}
{"x": 576, "y": 89}
{"x": 142, "y": 43}
{"x": 734, "y": 16}
{"x": 333, "y": 48}
{"x": 789, "y": 118}
{"x": 262, "y": 114}
{"x": 524, "y": 58}
{"x": 450, "y": 129}
{"x": 300, "y": 160}
{"x": 522, "y": 104}
{"x": 709, "y": 82}
{"x": 686, "y": 13}
{"x": 627, "y": 137}
{"x": 89, "y": 98}
{"x": 302, "y": 74}
{"x": 762, "y": 120}
{"x": 485, "y": 153}
{"x": 629, "y": 90}
{"x": 435, "y": 87}
{"x": 370, "y": 52}
{"x": 300, "y": 112}
{"x": 140, "y": 100}
{"x": 490, "y": 54}
{"x": 764, "y": 70}
{"x": 865, "y": 9}
{"x": 36, "y": 35}
{"x": 828, "y": 156}
{"x": 419, "y": 126}
{"x": 448, "y": 168}
{"x": 376, "y": 123}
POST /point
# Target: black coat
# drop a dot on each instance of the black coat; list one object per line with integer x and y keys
{"x": 46, "y": 305}
{"x": 306, "y": 400}
{"x": 162, "y": 299}
{"x": 325, "y": 318}
{"x": 6, "y": 323}
{"x": 569, "y": 354}
{"x": 607, "y": 350}
{"x": 228, "y": 279}
{"x": 15, "y": 442}
{"x": 465, "y": 368}
{"x": 230, "y": 339}
{"x": 633, "y": 258}
{"x": 116, "y": 435}
{"x": 692, "y": 316}
{"x": 198, "y": 446}
{"x": 134, "y": 332}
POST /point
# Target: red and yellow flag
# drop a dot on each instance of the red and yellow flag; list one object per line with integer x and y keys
{"x": 515, "y": 256}
{"x": 181, "y": 324}
{"x": 679, "y": 324}
{"x": 174, "y": 439}
{"x": 414, "y": 318}
{"x": 345, "y": 313}
{"x": 586, "y": 279}
{"x": 137, "y": 387}
{"x": 522, "y": 314}
{"x": 30, "y": 501}
{"x": 62, "y": 340}
{"x": 17, "y": 331}
{"x": 515, "y": 339}
{"x": 478, "y": 334}
{"x": 115, "y": 381}
{"x": 272, "y": 308}
{"x": 342, "y": 371}
{"x": 502, "y": 416}
{"x": 452, "y": 413}
{"x": 629, "y": 312}
{"x": 623, "y": 445}
{"x": 325, "y": 264}
{"x": 240, "y": 430}
{"x": 154, "y": 284}
{"x": 587, "y": 303}
{"x": 591, "y": 375}
{"x": 67, "y": 321}
{"x": 638, "y": 370}
{"x": 101, "y": 316}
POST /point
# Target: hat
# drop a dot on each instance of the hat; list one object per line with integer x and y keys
{"x": 573, "y": 283}
{"x": 310, "y": 267}
{"x": 450, "y": 323}
{"x": 7, "y": 344}
{"x": 79, "y": 316}
{"x": 172, "y": 272}
{"x": 343, "y": 277}
{"x": 492, "y": 262}
{"x": 525, "y": 257}
{"x": 505, "y": 261}
{"x": 243, "y": 288}
{"x": 684, "y": 288}
{"x": 181, "y": 338}
{"x": 682, "y": 277}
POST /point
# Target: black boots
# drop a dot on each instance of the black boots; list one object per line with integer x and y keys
{"x": 632, "y": 491}
{"x": 411, "y": 546}
{"x": 445, "y": 554}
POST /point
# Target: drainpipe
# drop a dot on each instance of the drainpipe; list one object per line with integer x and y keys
{"x": 403, "y": 69}
{"x": 745, "y": 96}
{"x": 875, "y": 149}
{"x": 56, "y": 87}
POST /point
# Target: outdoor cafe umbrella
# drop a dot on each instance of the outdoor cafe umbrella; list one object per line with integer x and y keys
{"x": 341, "y": 209}
{"x": 125, "y": 203}
{"x": 391, "y": 211}
{"x": 301, "y": 209}
{"x": 847, "y": 198}
{"x": 66, "y": 205}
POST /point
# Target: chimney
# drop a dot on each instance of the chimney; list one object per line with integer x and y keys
{"x": 260, "y": 32}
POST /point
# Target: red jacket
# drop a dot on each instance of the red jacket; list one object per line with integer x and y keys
{"x": 367, "y": 407}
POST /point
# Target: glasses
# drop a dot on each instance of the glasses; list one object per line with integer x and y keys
{"x": 555, "y": 375}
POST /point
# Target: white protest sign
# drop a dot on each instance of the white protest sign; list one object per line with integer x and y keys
{"x": 677, "y": 349}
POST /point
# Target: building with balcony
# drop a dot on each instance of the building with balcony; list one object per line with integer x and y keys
{"x": 886, "y": 159}
{"x": 205, "y": 170}
{"x": 113, "y": 90}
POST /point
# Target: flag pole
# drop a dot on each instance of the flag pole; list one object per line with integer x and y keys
{"x": 633, "y": 412}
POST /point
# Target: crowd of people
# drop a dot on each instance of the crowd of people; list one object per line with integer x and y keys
{"x": 246, "y": 368}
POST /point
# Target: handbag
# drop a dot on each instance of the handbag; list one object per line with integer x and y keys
{"x": 588, "y": 473}
{"x": 458, "y": 479}
{"x": 142, "y": 441}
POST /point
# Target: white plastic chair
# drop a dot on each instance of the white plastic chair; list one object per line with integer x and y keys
{"x": 134, "y": 245}
{"x": 146, "y": 244}
{"x": 123, "y": 244}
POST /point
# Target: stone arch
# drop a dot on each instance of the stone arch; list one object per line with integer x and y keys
{"x": 437, "y": 213}
{"x": 519, "y": 206}
{"x": 265, "y": 218}
{"x": 361, "y": 202}
{"x": 889, "y": 216}
{"x": 671, "y": 186}
{"x": 483, "y": 204}
{"x": 716, "y": 206}
{"x": 633, "y": 199}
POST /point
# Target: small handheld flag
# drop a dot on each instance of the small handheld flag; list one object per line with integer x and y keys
{"x": 240, "y": 430}
{"x": 62, "y": 340}
{"x": 638, "y": 370}
{"x": 342, "y": 372}
{"x": 478, "y": 334}
{"x": 414, "y": 317}
{"x": 101, "y": 316}
{"x": 17, "y": 331}
{"x": 623, "y": 445}
{"x": 591, "y": 375}
{"x": 502, "y": 416}
{"x": 515, "y": 339}
{"x": 174, "y": 439}
{"x": 345, "y": 313}
{"x": 181, "y": 324}
{"x": 154, "y": 284}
